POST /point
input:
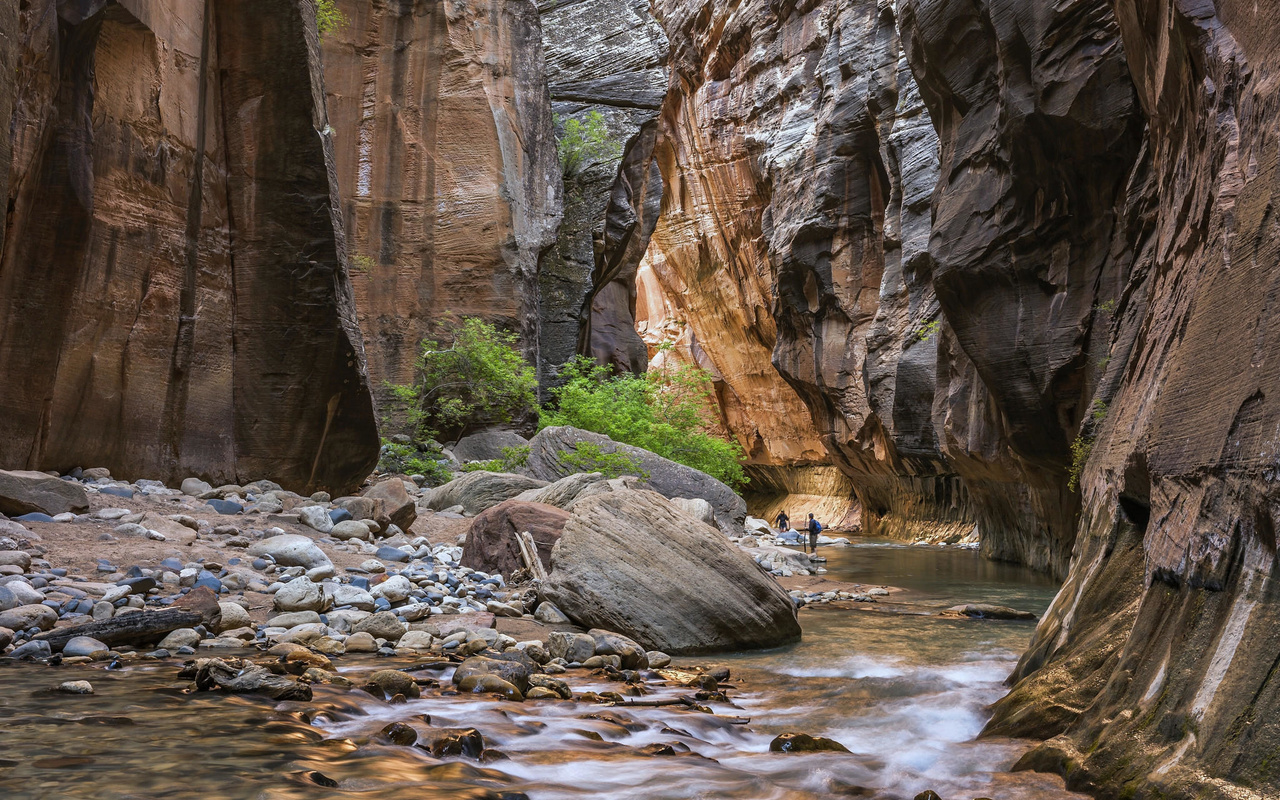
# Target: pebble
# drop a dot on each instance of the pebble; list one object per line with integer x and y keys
{"x": 225, "y": 507}
{"x": 75, "y": 687}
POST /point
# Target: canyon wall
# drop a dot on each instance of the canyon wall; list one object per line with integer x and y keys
{"x": 446, "y": 163}
{"x": 1155, "y": 668}
{"x": 800, "y": 163}
{"x": 606, "y": 67}
{"x": 995, "y": 249}
{"x": 172, "y": 284}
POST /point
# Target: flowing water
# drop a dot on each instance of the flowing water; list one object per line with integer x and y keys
{"x": 906, "y": 694}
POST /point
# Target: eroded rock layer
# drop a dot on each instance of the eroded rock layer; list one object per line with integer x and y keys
{"x": 1156, "y": 665}
{"x": 799, "y": 162}
{"x": 447, "y": 166}
{"x": 606, "y": 64}
{"x": 172, "y": 284}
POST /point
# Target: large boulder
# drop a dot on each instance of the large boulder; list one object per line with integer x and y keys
{"x": 492, "y": 546}
{"x": 291, "y": 550}
{"x": 547, "y": 462}
{"x": 486, "y": 445}
{"x": 629, "y": 561}
{"x": 31, "y": 616}
{"x": 480, "y": 491}
{"x": 563, "y": 492}
{"x": 24, "y": 492}
{"x": 397, "y": 505}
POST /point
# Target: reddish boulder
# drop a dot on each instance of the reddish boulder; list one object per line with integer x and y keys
{"x": 397, "y": 506}
{"x": 491, "y": 544}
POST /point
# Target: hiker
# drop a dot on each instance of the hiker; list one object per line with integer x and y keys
{"x": 815, "y": 528}
{"x": 783, "y": 521}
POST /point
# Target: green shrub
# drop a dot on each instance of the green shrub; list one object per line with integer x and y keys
{"x": 479, "y": 381}
{"x": 328, "y": 17}
{"x": 512, "y": 459}
{"x": 1081, "y": 449}
{"x": 588, "y": 457}
{"x": 929, "y": 330}
{"x": 410, "y": 459}
{"x": 581, "y": 143}
{"x": 667, "y": 412}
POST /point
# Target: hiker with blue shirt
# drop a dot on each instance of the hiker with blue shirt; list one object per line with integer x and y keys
{"x": 815, "y": 528}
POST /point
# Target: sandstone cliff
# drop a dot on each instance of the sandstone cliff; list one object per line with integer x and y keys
{"x": 172, "y": 285}
{"x": 1156, "y": 664}
{"x": 799, "y": 161}
{"x": 989, "y": 245}
{"x": 606, "y": 60}
{"x": 446, "y": 163}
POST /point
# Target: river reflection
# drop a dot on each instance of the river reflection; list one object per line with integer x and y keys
{"x": 906, "y": 695}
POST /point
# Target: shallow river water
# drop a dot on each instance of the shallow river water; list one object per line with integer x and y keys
{"x": 906, "y": 694}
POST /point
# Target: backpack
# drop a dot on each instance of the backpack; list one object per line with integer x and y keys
{"x": 817, "y": 527}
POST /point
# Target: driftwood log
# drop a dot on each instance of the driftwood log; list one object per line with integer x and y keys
{"x": 144, "y": 627}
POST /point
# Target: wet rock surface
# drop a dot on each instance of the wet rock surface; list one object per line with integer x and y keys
{"x": 630, "y": 562}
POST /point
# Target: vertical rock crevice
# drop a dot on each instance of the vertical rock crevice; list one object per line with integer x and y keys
{"x": 606, "y": 66}
{"x": 122, "y": 320}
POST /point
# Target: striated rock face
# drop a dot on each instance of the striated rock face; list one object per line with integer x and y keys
{"x": 913, "y": 235}
{"x": 1039, "y": 128}
{"x": 172, "y": 283}
{"x": 605, "y": 58}
{"x": 1156, "y": 664}
{"x": 446, "y": 162}
{"x": 799, "y": 162}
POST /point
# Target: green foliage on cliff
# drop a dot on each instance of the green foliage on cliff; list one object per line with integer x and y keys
{"x": 328, "y": 17}
{"x": 478, "y": 381}
{"x": 667, "y": 412}
{"x": 584, "y": 142}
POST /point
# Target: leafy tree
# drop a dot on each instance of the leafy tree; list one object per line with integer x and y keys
{"x": 665, "y": 412}
{"x": 478, "y": 381}
{"x": 582, "y": 143}
{"x": 328, "y": 17}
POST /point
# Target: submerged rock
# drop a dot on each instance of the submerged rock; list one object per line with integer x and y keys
{"x": 804, "y": 743}
{"x": 243, "y": 677}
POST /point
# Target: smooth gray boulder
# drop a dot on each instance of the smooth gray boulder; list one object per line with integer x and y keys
{"x": 480, "y": 491}
{"x": 563, "y": 492}
{"x": 631, "y": 562}
{"x": 315, "y": 517}
{"x": 300, "y": 594}
{"x": 16, "y": 558}
{"x": 233, "y": 616}
{"x": 351, "y": 529}
{"x": 196, "y": 487}
{"x": 33, "y": 616}
{"x": 671, "y": 480}
{"x": 291, "y": 550}
{"x": 25, "y": 492}
{"x": 25, "y": 593}
{"x": 486, "y": 445}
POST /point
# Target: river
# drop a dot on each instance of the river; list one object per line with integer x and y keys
{"x": 906, "y": 694}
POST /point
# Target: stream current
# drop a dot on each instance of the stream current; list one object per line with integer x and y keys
{"x": 907, "y": 694}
